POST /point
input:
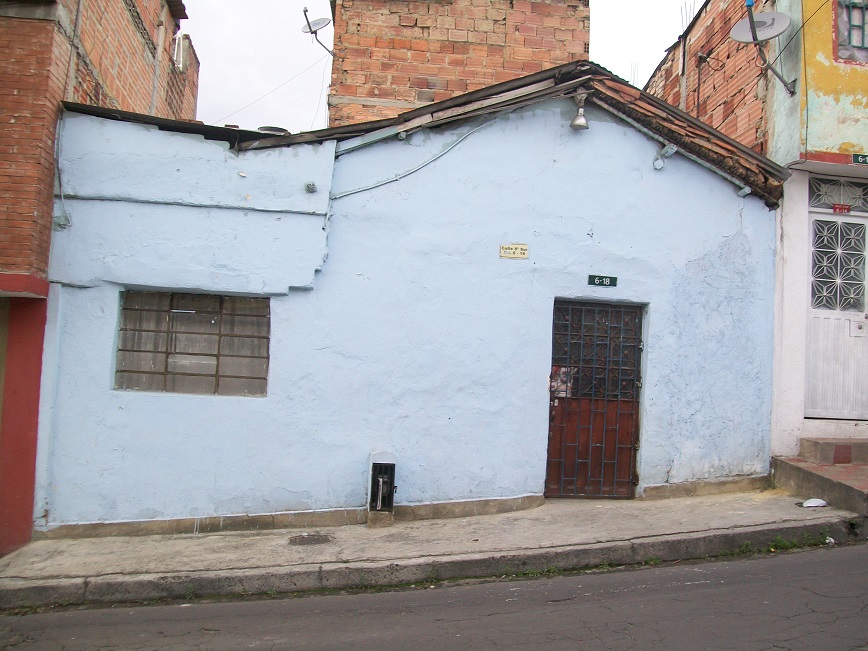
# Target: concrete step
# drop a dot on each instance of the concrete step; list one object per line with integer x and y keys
{"x": 844, "y": 486}
{"x": 837, "y": 451}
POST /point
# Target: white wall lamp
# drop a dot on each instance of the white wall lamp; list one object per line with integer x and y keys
{"x": 580, "y": 122}
{"x": 662, "y": 155}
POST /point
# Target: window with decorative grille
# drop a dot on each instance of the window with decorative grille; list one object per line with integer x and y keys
{"x": 838, "y": 266}
{"x": 853, "y": 30}
{"x": 193, "y": 343}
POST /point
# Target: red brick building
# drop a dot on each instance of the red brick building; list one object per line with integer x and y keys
{"x": 716, "y": 79}
{"x": 114, "y": 53}
{"x": 391, "y": 56}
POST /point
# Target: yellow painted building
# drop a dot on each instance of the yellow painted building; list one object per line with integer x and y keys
{"x": 828, "y": 58}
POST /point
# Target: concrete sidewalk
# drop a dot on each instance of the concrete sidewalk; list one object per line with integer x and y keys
{"x": 560, "y": 535}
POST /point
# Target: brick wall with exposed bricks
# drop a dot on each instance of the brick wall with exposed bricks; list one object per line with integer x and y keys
{"x": 30, "y": 84}
{"x": 716, "y": 79}
{"x": 393, "y": 55}
{"x": 113, "y": 67}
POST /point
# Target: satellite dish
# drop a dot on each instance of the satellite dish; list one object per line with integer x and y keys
{"x": 759, "y": 28}
{"x": 315, "y": 25}
{"x": 768, "y": 26}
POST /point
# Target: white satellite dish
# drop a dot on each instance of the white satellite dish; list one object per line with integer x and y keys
{"x": 315, "y": 25}
{"x": 768, "y": 26}
{"x": 756, "y": 30}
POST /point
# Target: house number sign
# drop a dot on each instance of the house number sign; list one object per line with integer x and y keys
{"x": 860, "y": 159}
{"x": 603, "y": 281}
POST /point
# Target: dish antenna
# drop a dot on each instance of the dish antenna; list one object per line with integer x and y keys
{"x": 759, "y": 28}
{"x": 313, "y": 26}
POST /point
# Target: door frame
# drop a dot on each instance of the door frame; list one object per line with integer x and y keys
{"x": 590, "y": 402}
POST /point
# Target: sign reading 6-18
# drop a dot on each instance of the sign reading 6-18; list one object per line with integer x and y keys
{"x": 603, "y": 281}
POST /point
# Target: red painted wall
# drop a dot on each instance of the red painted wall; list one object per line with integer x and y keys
{"x": 19, "y": 420}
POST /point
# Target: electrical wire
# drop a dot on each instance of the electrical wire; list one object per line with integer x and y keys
{"x": 792, "y": 38}
{"x": 58, "y": 147}
{"x": 401, "y": 175}
{"x": 258, "y": 99}
{"x": 761, "y": 75}
{"x": 319, "y": 99}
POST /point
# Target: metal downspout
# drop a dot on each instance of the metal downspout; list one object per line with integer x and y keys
{"x": 161, "y": 27}
{"x": 70, "y": 70}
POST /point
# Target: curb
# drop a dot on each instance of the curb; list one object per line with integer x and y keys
{"x": 116, "y": 588}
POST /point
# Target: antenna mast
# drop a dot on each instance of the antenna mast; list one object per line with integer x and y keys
{"x": 314, "y": 27}
{"x": 755, "y": 39}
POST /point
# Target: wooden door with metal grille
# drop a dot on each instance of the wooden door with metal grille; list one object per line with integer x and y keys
{"x": 594, "y": 400}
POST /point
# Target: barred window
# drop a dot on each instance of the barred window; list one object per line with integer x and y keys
{"x": 853, "y": 30}
{"x": 193, "y": 343}
{"x": 838, "y": 267}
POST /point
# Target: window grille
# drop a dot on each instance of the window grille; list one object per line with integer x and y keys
{"x": 852, "y": 28}
{"x": 828, "y": 193}
{"x": 193, "y": 343}
{"x": 838, "y": 266}
{"x": 596, "y": 350}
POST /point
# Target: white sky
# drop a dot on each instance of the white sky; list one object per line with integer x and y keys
{"x": 254, "y": 48}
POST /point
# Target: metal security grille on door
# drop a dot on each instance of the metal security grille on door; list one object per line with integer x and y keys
{"x": 836, "y": 380}
{"x": 594, "y": 400}
{"x": 836, "y": 383}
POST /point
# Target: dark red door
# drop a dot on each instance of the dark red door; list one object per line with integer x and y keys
{"x": 594, "y": 400}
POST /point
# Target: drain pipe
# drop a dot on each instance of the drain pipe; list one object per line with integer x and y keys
{"x": 69, "y": 90}
{"x": 161, "y": 38}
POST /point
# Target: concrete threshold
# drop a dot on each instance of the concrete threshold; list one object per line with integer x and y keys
{"x": 560, "y": 535}
{"x": 844, "y": 486}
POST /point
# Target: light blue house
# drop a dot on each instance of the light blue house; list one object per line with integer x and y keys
{"x": 507, "y": 304}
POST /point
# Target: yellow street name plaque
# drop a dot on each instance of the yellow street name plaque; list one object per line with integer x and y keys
{"x": 514, "y": 251}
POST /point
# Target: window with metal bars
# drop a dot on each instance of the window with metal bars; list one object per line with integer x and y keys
{"x": 193, "y": 343}
{"x": 853, "y": 30}
{"x": 838, "y": 266}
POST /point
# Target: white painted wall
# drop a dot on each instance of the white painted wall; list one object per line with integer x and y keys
{"x": 792, "y": 297}
{"x": 416, "y": 338}
{"x": 792, "y": 307}
{"x": 786, "y": 113}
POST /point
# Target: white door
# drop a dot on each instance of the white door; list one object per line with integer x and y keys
{"x": 837, "y": 346}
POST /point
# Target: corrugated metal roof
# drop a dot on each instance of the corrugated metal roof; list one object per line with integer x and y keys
{"x": 234, "y": 137}
{"x": 642, "y": 110}
{"x": 764, "y": 177}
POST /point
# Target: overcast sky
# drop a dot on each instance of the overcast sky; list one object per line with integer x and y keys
{"x": 252, "y": 52}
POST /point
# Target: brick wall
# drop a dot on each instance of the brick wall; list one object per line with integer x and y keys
{"x": 29, "y": 87}
{"x": 392, "y": 55}
{"x": 115, "y": 61}
{"x": 113, "y": 66}
{"x": 725, "y": 90}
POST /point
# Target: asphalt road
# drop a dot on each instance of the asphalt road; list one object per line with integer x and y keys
{"x": 815, "y": 600}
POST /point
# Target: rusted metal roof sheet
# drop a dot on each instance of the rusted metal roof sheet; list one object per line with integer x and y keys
{"x": 650, "y": 114}
{"x": 234, "y": 137}
{"x": 764, "y": 177}
{"x": 693, "y": 137}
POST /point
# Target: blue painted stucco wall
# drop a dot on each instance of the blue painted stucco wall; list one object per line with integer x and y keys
{"x": 395, "y": 324}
